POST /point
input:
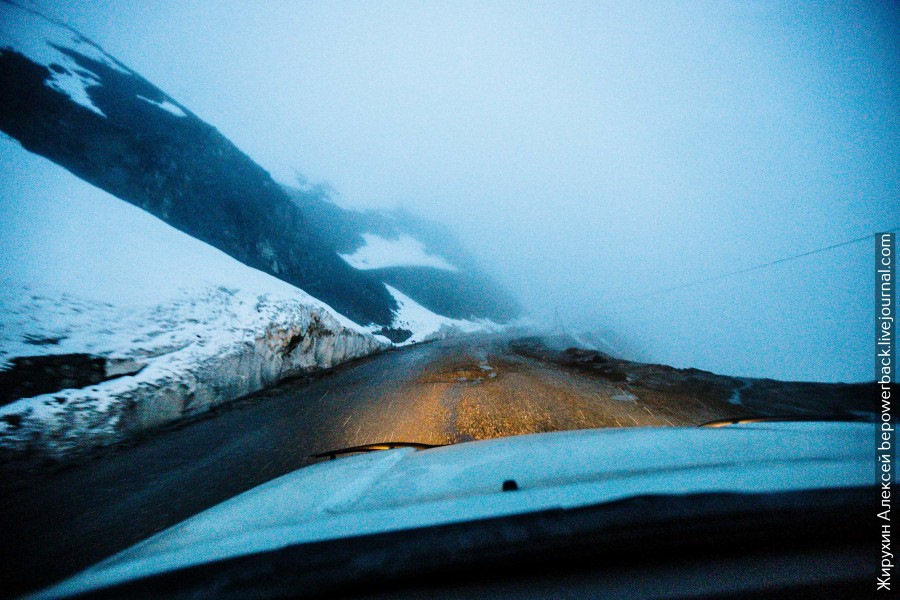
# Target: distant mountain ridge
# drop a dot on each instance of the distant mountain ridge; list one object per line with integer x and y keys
{"x": 458, "y": 289}
{"x": 64, "y": 98}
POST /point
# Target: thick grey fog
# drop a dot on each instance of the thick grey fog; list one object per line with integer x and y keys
{"x": 588, "y": 154}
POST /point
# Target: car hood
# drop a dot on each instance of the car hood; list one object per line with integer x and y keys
{"x": 404, "y": 488}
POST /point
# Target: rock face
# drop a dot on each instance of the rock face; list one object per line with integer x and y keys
{"x": 33, "y": 375}
{"x": 177, "y": 167}
{"x": 63, "y": 97}
{"x": 459, "y": 291}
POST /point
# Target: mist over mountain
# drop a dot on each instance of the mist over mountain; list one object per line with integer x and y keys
{"x": 152, "y": 270}
{"x": 589, "y": 156}
{"x": 634, "y": 239}
{"x": 89, "y": 113}
{"x": 457, "y": 287}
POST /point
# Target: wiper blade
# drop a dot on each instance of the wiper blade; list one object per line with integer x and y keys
{"x": 782, "y": 419}
{"x": 376, "y": 447}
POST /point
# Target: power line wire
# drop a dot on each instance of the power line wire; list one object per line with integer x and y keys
{"x": 760, "y": 266}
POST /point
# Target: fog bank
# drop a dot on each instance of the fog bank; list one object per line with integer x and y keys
{"x": 589, "y": 154}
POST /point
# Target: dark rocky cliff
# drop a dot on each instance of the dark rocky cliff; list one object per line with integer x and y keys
{"x": 466, "y": 293}
{"x": 129, "y": 138}
{"x": 181, "y": 170}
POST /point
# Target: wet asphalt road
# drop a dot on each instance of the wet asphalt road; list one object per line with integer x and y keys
{"x": 58, "y": 522}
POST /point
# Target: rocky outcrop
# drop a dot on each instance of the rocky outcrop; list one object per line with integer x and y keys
{"x": 464, "y": 293}
{"x": 76, "y": 105}
{"x": 175, "y": 166}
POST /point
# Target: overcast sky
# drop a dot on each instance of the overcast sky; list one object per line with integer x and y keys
{"x": 588, "y": 153}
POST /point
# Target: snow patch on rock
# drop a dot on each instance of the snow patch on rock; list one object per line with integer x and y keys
{"x": 402, "y": 251}
{"x": 426, "y": 325}
{"x": 42, "y": 41}
{"x": 165, "y": 105}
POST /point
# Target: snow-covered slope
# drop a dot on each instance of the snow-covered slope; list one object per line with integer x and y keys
{"x": 159, "y": 271}
{"x": 425, "y": 325}
{"x": 45, "y": 42}
{"x": 63, "y": 97}
{"x": 85, "y": 273}
{"x": 404, "y": 251}
{"x": 41, "y": 41}
{"x": 418, "y": 257}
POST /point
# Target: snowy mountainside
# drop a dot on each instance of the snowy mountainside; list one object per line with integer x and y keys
{"x": 175, "y": 325}
{"x": 424, "y": 325}
{"x": 150, "y": 270}
{"x": 64, "y": 98}
{"x": 420, "y": 258}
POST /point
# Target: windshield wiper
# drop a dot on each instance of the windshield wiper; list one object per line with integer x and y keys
{"x": 376, "y": 447}
{"x": 781, "y": 419}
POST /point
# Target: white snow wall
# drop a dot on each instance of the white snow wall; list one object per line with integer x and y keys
{"x": 301, "y": 339}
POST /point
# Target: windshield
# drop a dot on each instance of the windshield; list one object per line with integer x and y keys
{"x": 240, "y": 239}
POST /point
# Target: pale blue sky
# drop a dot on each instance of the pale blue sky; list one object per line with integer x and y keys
{"x": 587, "y": 151}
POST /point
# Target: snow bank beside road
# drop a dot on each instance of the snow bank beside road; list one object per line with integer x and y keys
{"x": 85, "y": 273}
{"x": 206, "y": 347}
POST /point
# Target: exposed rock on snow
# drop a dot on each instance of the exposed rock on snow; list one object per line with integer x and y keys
{"x": 34, "y": 375}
